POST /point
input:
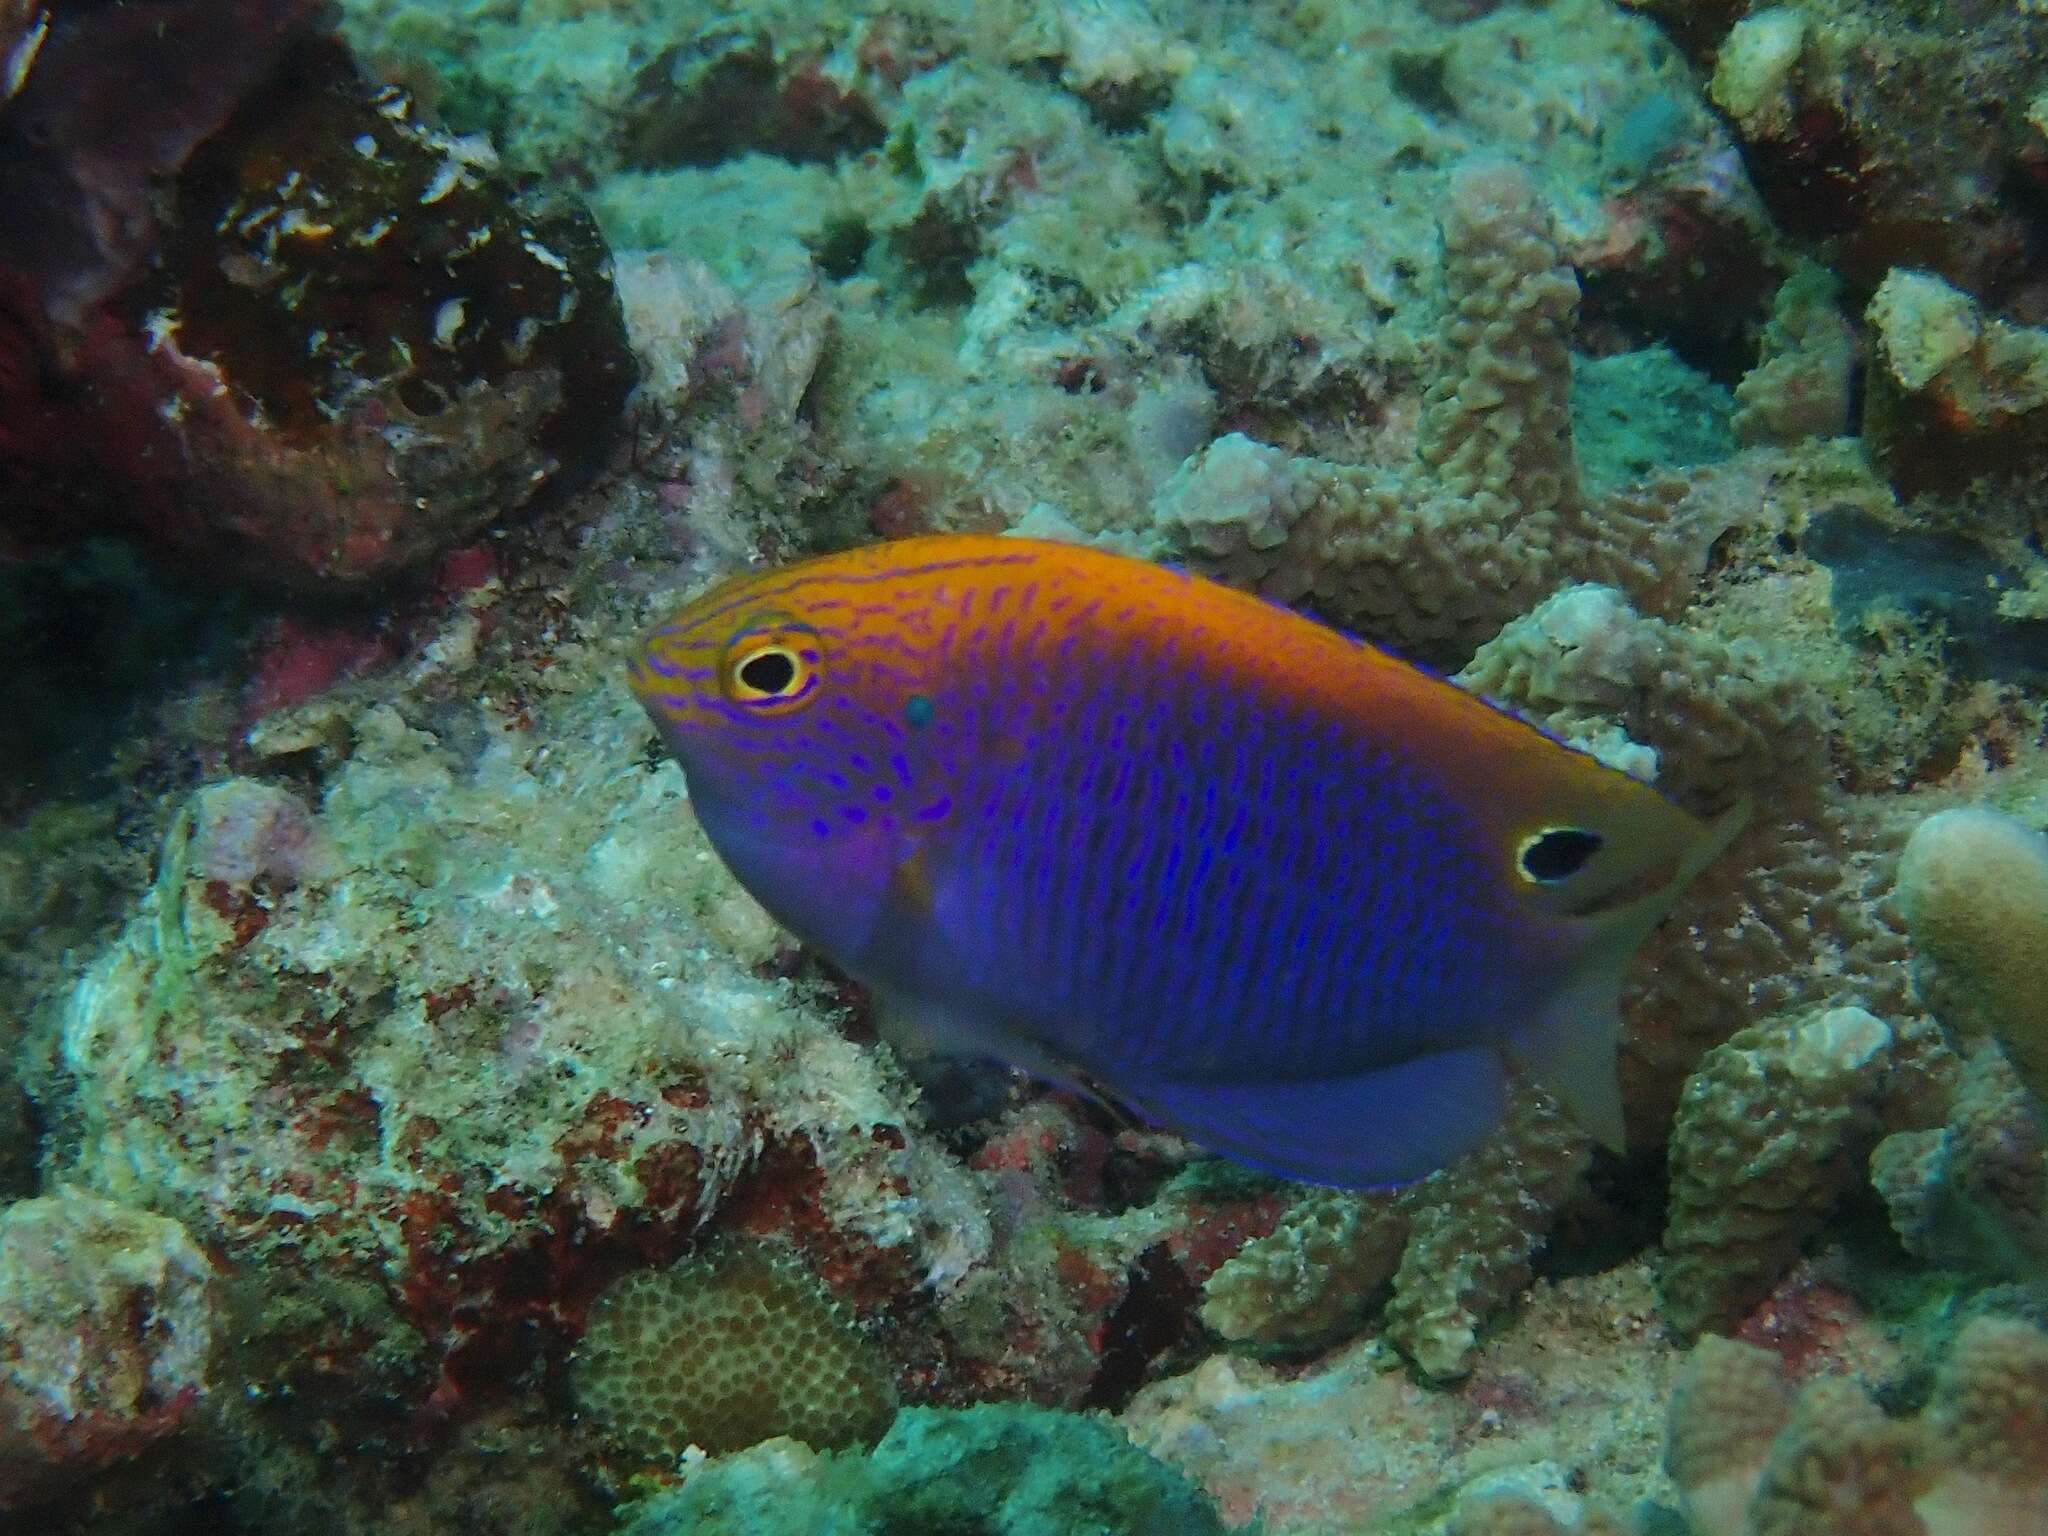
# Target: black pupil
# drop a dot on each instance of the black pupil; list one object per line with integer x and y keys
{"x": 769, "y": 672}
{"x": 1559, "y": 854}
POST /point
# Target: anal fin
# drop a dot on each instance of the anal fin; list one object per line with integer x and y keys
{"x": 1374, "y": 1129}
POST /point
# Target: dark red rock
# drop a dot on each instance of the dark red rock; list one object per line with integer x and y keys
{"x": 354, "y": 347}
{"x": 1906, "y": 142}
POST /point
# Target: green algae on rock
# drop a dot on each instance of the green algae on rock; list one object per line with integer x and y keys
{"x": 1001, "y": 1470}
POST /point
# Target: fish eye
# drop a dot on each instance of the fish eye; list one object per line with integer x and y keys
{"x": 769, "y": 673}
{"x": 771, "y": 664}
{"x": 1555, "y": 854}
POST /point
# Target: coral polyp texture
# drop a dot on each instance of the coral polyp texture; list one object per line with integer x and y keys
{"x": 725, "y": 1349}
{"x": 1773, "y": 1130}
{"x": 1491, "y": 514}
{"x": 1455, "y": 1247}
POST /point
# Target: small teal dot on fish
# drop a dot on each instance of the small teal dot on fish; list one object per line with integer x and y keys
{"x": 917, "y": 711}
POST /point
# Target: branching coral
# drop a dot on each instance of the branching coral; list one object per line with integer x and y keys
{"x": 1973, "y": 1194}
{"x": 1771, "y": 1132}
{"x": 1791, "y": 911}
{"x": 1491, "y": 519}
{"x": 1750, "y": 1461}
{"x": 1973, "y": 886}
{"x": 1456, "y": 1246}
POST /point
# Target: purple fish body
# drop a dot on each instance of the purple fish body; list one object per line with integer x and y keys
{"x": 1110, "y": 823}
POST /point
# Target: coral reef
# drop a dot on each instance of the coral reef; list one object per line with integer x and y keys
{"x": 723, "y": 1350}
{"x": 1509, "y": 1516}
{"x": 1007, "y": 1471}
{"x": 1973, "y": 1194}
{"x": 1752, "y": 1460}
{"x": 1772, "y": 1131}
{"x": 1803, "y": 384}
{"x": 98, "y": 103}
{"x": 107, "y": 1325}
{"x": 1954, "y": 395}
{"x": 443, "y": 1037}
{"x": 1793, "y": 909}
{"x": 1566, "y": 1406}
{"x": 428, "y": 1083}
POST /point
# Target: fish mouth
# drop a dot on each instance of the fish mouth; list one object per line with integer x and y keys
{"x": 1640, "y": 886}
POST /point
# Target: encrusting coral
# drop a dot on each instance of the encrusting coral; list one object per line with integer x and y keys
{"x": 725, "y": 1349}
{"x": 1750, "y": 1459}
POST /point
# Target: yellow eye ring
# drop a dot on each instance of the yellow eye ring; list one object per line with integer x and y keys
{"x": 771, "y": 666}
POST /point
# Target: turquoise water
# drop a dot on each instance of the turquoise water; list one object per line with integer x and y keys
{"x": 409, "y": 1119}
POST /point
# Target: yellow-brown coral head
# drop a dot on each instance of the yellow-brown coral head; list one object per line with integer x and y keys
{"x": 736, "y": 1344}
{"x": 1973, "y": 886}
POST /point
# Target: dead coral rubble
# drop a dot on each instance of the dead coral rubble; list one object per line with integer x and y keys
{"x": 107, "y": 1326}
